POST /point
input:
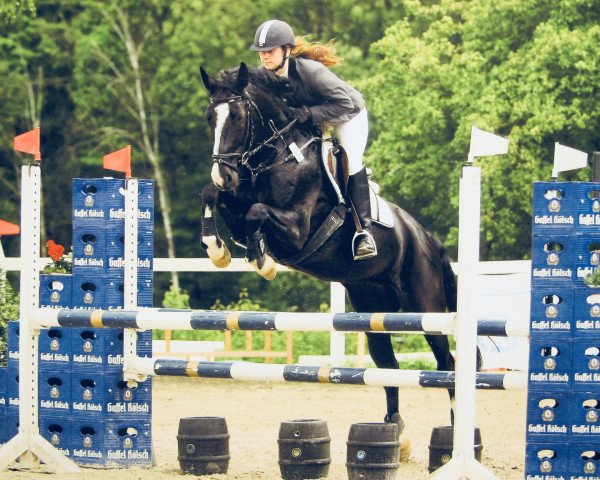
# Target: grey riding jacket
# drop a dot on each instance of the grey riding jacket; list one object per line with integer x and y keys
{"x": 329, "y": 99}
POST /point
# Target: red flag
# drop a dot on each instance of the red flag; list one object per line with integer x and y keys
{"x": 29, "y": 142}
{"x": 7, "y": 228}
{"x": 119, "y": 161}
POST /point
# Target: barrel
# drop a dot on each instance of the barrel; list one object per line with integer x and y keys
{"x": 372, "y": 451}
{"x": 441, "y": 444}
{"x": 304, "y": 449}
{"x": 203, "y": 445}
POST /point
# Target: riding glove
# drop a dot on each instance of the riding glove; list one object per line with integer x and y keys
{"x": 302, "y": 114}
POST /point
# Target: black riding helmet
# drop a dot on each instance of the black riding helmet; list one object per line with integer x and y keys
{"x": 272, "y": 34}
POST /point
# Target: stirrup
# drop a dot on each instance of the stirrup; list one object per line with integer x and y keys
{"x": 363, "y": 256}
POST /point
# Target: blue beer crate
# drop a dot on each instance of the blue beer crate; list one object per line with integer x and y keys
{"x": 3, "y": 385}
{"x": 54, "y": 346}
{"x": 552, "y": 260}
{"x": 103, "y": 347}
{"x": 56, "y": 290}
{"x": 546, "y": 461}
{"x": 116, "y": 189}
{"x": 57, "y": 429}
{"x": 91, "y": 199}
{"x": 129, "y": 442}
{"x": 12, "y": 386}
{"x": 554, "y": 207}
{"x": 112, "y": 443}
{"x": 551, "y": 311}
{"x": 588, "y": 208}
{"x": 3, "y": 426}
{"x": 129, "y": 400}
{"x": 89, "y": 246}
{"x": 54, "y": 390}
{"x": 96, "y": 347}
{"x": 12, "y": 421}
{"x": 586, "y": 364}
{"x": 586, "y": 256}
{"x": 89, "y": 390}
{"x": 87, "y": 440}
{"x": 104, "y": 392}
{"x": 550, "y": 364}
{"x": 12, "y": 343}
{"x": 116, "y": 263}
{"x": 89, "y": 290}
{"x": 587, "y": 313}
{"x": 115, "y": 243}
{"x": 548, "y": 416}
{"x": 115, "y": 290}
{"x": 585, "y": 416}
{"x": 116, "y": 217}
{"x": 584, "y": 461}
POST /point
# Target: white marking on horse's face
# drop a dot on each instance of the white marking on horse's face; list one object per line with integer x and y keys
{"x": 222, "y": 112}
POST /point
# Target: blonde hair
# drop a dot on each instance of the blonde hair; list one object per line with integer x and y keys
{"x": 324, "y": 53}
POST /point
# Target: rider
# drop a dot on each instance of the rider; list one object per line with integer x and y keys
{"x": 319, "y": 97}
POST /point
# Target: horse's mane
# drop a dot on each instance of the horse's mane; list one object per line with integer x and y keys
{"x": 261, "y": 78}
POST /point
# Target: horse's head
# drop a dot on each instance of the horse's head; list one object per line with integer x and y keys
{"x": 238, "y": 115}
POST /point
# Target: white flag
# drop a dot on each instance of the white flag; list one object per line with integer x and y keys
{"x": 484, "y": 143}
{"x": 567, "y": 158}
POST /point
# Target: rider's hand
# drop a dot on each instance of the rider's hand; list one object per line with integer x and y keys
{"x": 302, "y": 114}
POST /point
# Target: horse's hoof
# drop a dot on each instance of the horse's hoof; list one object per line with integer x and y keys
{"x": 269, "y": 269}
{"x": 220, "y": 256}
{"x": 404, "y": 450}
{"x": 397, "y": 419}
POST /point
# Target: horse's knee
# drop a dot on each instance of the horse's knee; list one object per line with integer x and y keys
{"x": 210, "y": 193}
{"x": 257, "y": 214}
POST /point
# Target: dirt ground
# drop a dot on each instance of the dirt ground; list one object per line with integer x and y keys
{"x": 254, "y": 411}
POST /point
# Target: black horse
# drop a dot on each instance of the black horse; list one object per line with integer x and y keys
{"x": 274, "y": 195}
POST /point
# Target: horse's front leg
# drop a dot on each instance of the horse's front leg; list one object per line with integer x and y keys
{"x": 233, "y": 214}
{"x": 285, "y": 225}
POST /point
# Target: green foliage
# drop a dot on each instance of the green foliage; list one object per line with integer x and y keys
{"x": 593, "y": 279}
{"x": 11, "y": 9}
{"x": 9, "y": 311}
{"x": 523, "y": 70}
{"x": 176, "y": 298}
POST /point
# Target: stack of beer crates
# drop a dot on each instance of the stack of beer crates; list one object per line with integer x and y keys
{"x": 86, "y": 409}
{"x": 563, "y": 403}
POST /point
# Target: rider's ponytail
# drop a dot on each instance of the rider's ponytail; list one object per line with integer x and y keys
{"x": 316, "y": 51}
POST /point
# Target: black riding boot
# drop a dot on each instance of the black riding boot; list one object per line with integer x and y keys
{"x": 363, "y": 242}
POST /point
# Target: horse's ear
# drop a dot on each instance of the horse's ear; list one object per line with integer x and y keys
{"x": 206, "y": 80}
{"x": 242, "y": 78}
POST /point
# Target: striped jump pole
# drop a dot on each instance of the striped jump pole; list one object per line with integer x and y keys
{"x": 165, "y": 319}
{"x": 376, "y": 377}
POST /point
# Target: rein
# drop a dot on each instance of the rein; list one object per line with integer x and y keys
{"x": 248, "y": 152}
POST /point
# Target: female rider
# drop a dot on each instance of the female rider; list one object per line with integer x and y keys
{"x": 319, "y": 97}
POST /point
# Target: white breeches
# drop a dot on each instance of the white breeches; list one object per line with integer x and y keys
{"x": 353, "y": 135}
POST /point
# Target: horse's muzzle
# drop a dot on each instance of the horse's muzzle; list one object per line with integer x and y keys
{"x": 224, "y": 177}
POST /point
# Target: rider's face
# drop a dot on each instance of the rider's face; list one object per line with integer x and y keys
{"x": 272, "y": 58}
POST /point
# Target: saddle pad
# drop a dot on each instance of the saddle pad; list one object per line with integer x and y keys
{"x": 380, "y": 210}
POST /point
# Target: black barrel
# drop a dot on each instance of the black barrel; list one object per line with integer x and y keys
{"x": 203, "y": 444}
{"x": 373, "y": 451}
{"x": 304, "y": 449}
{"x": 441, "y": 444}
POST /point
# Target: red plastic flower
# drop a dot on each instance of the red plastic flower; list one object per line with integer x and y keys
{"x": 55, "y": 251}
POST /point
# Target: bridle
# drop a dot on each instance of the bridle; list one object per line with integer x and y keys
{"x": 249, "y": 148}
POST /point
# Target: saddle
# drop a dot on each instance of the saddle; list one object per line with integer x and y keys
{"x": 335, "y": 162}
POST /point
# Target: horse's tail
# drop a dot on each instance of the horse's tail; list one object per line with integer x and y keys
{"x": 450, "y": 288}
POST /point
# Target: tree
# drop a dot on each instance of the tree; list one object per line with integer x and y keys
{"x": 11, "y": 9}
{"x": 521, "y": 70}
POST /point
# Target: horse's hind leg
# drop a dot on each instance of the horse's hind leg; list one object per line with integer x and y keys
{"x": 378, "y": 298}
